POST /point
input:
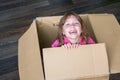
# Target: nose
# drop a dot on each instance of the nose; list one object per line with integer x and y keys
{"x": 72, "y": 27}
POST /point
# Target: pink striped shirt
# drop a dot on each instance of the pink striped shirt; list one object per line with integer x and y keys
{"x": 66, "y": 41}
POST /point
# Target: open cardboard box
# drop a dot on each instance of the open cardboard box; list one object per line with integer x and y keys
{"x": 37, "y": 61}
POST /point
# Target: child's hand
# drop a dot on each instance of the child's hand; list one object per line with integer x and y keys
{"x": 69, "y": 46}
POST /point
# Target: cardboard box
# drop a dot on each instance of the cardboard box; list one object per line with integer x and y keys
{"x": 35, "y": 55}
{"x": 88, "y": 61}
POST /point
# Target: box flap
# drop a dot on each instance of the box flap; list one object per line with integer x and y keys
{"x": 106, "y": 29}
{"x": 47, "y": 30}
{"x": 73, "y": 64}
{"x": 30, "y": 65}
{"x": 49, "y": 25}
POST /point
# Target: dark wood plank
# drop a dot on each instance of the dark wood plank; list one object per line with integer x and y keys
{"x": 10, "y": 76}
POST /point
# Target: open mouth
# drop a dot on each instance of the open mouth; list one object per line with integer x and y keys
{"x": 73, "y": 32}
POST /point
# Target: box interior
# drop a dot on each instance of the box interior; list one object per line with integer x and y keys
{"x": 48, "y": 28}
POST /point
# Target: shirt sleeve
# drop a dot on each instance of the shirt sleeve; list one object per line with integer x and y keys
{"x": 90, "y": 40}
{"x": 55, "y": 43}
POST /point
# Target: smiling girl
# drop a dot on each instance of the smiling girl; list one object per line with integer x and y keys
{"x": 72, "y": 32}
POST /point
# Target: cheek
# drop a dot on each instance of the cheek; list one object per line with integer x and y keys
{"x": 79, "y": 30}
{"x": 65, "y": 30}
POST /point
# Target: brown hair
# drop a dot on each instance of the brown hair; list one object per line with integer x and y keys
{"x": 61, "y": 23}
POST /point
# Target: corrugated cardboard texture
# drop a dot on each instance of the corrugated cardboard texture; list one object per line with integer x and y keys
{"x": 30, "y": 66}
{"x": 74, "y": 64}
{"x": 107, "y": 29}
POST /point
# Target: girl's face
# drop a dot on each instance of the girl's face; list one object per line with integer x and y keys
{"x": 72, "y": 28}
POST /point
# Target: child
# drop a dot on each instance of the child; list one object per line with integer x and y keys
{"x": 72, "y": 32}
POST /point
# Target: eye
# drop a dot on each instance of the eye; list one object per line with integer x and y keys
{"x": 76, "y": 24}
{"x": 67, "y": 25}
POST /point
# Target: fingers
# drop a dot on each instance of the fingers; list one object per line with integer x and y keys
{"x": 69, "y": 46}
{"x": 75, "y": 45}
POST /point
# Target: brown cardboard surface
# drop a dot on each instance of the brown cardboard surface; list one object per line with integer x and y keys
{"x": 94, "y": 78}
{"x": 43, "y": 32}
{"x": 74, "y": 64}
{"x": 47, "y": 29}
{"x": 107, "y": 29}
{"x": 30, "y": 66}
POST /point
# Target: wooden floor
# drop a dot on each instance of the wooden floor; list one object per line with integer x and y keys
{"x": 17, "y": 15}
